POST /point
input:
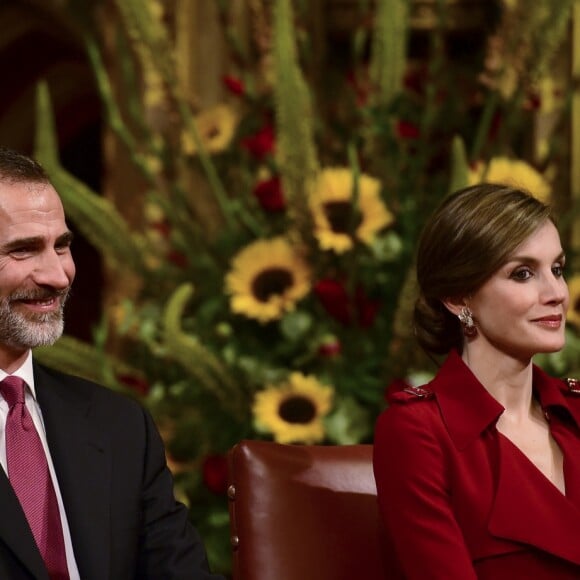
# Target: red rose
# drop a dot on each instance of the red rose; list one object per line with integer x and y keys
{"x": 135, "y": 383}
{"x": 334, "y": 299}
{"x": 406, "y": 130}
{"x": 533, "y": 101}
{"x": 260, "y": 144}
{"x": 177, "y": 259}
{"x": 215, "y": 474}
{"x": 415, "y": 80}
{"x": 495, "y": 126}
{"x": 361, "y": 87}
{"x": 366, "y": 308}
{"x": 162, "y": 227}
{"x": 269, "y": 194}
{"x": 234, "y": 85}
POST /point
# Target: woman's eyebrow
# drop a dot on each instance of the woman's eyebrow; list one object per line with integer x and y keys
{"x": 533, "y": 260}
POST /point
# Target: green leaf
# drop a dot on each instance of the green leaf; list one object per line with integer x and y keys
{"x": 349, "y": 423}
{"x": 459, "y": 165}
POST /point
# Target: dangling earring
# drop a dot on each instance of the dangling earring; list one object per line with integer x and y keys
{"x": 466, "y": 318}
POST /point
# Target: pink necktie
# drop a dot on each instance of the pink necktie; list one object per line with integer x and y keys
{"x": 29, "y": 476}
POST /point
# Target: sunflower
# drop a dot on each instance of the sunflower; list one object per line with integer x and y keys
{"x": 293, "y": 412}
{"x": 216, "y": 127}
{"x": 573, "y": 315}
{"x": 266, "y": 279}
{"x": 334, "y": 215}
{"x": 512, "y": 172}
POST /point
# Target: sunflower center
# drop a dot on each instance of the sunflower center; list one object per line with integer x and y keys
{"x": 297, "y": 409}
{"x": 341, "y": 216}
{"x": 212, "y": 132}
{"x": 270, "y": 282}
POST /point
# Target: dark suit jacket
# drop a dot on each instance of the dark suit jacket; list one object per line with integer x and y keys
{"x": 116, "y": 489}
{"x": 459, "y": 500}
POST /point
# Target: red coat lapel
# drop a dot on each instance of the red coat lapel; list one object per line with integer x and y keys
{"x": 530, "y": 510}
{"x": 466, "y": 406}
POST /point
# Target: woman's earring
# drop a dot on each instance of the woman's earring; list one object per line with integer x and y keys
{"x": 466, "y": 318}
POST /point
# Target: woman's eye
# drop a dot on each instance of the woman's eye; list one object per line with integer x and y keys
{"x": 558, "y": 271}
{"x": 521, "y": 275}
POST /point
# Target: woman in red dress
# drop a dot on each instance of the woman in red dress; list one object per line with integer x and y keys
{"x": 478, "y": 472}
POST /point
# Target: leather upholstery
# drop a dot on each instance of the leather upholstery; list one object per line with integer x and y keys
{"x": 303, "y": 512}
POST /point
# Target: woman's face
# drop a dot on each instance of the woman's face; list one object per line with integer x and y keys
{"x": 521, "y": 309}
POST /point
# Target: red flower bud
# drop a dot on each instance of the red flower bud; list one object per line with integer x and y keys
{"x": 269, "y": 194}
{"x": 406, "y": 130}
{"x": 533, "y": 101}
{"x": 215, "y": 474}
{"x": 260, "y": 144}
{"x": 366, "y": 308}
{"x": 330, "y": 349}
{"x": 234, "y": 85}
{"x": 415, "y": 80}
{"x": 178, "y": 259}
{"x": 135, "y": 383}
{"x": 334, "y": 299}
{"x": 162, "y": 227}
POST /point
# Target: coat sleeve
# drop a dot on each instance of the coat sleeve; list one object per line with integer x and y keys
{"x": 169, "y": 546}
{"x": 414, "y": 497}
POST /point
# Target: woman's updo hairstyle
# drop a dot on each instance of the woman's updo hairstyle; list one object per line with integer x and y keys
{"x": 469, "y": 237}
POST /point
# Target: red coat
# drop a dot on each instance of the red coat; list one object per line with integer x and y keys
{"x": 459, "y": 501}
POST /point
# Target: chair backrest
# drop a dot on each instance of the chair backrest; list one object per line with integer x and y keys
{"x": 302, "y": 512}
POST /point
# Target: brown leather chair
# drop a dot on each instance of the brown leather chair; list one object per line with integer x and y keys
{"x": 303, "y": 512}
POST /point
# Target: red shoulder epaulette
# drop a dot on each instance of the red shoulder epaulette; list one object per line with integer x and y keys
{"x": 573, "y": 386}
{"x": 410, "y": 394}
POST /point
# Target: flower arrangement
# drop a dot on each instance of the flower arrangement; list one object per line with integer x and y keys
{"x": 288, "y": 314}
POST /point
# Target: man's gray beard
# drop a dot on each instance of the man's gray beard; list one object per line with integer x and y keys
{"x": 29, "y": 330}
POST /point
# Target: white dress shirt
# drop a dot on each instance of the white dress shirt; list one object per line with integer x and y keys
{"x": 25, "y": 372}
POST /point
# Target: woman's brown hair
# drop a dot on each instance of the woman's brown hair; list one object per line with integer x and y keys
{"x": 466, "y": 240}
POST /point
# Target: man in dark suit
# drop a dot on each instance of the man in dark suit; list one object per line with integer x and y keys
{"x": 106, "y": 476}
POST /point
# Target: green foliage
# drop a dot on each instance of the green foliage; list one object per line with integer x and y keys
{"x": 389, "y": 49}
{"x": 294, "y": 116}
{"x": 76, "y": 357}
{"x": 96, "y": 217}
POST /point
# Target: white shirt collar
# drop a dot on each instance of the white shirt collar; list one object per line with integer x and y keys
{"x": 25, "y": 372}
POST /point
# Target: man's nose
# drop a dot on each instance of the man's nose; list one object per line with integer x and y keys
{"x": 54, "y": 270}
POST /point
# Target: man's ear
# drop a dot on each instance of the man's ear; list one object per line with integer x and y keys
{"x": 454, "y": 305}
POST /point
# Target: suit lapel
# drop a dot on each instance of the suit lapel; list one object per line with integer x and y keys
{"x": 529, "y": 509}
{"x": 15, "y": 532}
{"x": 81, "y": 460}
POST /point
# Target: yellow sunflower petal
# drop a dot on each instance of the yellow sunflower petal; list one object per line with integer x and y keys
{"x": 293, "y": 412}
{"x": 573, "y": 316}
{"x": 266, "y": 279}
{"x": 216, "y": 127}
{"x": 332, "y": 210}
{"x": 512, "y": 172}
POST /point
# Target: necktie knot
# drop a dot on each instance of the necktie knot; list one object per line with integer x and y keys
{"x": 12, "y": 389}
